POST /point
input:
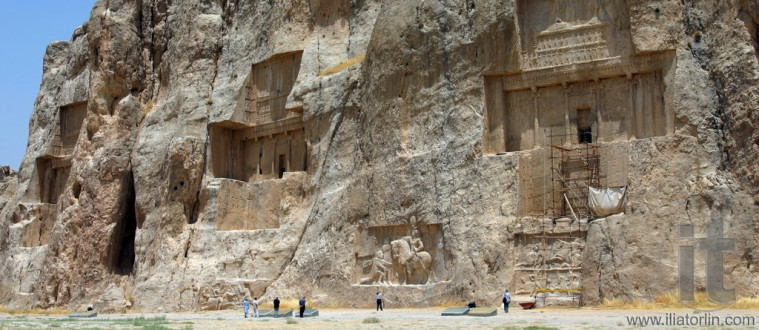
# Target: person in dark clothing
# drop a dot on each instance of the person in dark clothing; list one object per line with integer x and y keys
{"x": 302, "y": 305}
{"x": 379, "y": 301}
{"x": 506, "y": 301}
{"x": 276, "y": 306}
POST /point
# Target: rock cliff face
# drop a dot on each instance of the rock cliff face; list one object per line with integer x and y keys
{"x": 185, "y": 154}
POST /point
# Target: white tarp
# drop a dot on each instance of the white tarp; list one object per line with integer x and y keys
{"x": 606, "y": 201}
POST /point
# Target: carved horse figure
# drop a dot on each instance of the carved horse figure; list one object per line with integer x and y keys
{"x": 414, "y": 265}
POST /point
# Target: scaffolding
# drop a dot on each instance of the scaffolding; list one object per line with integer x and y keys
{"x": 573, "y": 168}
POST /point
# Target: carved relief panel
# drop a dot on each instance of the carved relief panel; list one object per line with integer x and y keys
{"x": 582, "y": 43}
{"x": 549, "y": 261}
{"x": 555, "y": 33}
{"x": 400, "y": 255}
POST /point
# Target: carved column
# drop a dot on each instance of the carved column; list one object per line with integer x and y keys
{"x": 630, "y": 107}
{"x": 567, "y": 126}
{"x": 535, "y": 116}
{"x": 597, "y": 94}
{"x": 669, "y": 117}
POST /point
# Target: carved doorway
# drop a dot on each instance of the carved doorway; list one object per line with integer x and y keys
{"x": 584, "y": 126}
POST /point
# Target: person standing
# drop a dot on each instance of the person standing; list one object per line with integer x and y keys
{"x": 379, "y": 301}
{"x": 302, "y": 305}
{"x": 506, "y": 301}
{"x": 276, "y": 306}
{"x": 245, "y": 306}
{"x": 255, "y": 307}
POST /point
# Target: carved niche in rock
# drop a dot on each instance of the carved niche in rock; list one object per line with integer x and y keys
{"x": 46, "y": 189}
{"x": 618, "y": 107}
{"x": 53, "y": 172}
{"x": 271, "y": 138}
{"x": 578, "y": 79}
{"x": 400, "y": 255}
{"x": 70, "y": 119}
{"x": 268, "y": 86}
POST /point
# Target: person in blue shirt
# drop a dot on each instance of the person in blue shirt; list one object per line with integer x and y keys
{"x": 302, "y": 305}
{"x": 245, "y": 306}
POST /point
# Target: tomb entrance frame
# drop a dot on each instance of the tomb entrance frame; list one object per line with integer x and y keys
{"x": 70, "y": 120}
{"x": 578, "y": 87}
{"x": 267, "y": 139}
{"x": 626, "y": 99}
{"x": 52, "y": 174}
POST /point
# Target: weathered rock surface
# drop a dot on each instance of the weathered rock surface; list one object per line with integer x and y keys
{"x": 8, "y": 184}
{"x": 185, "y": 154}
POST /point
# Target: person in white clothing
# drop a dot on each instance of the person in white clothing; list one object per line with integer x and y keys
{"x": 255, "y": 307}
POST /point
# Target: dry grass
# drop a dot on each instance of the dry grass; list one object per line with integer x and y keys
{"x": 670, "y": 300}
{"x": 633, "y": 304}
{"x": 287, "y": 304}
{"x": 746, "y": 303}
{"x": 343, "y": 65}
{"x": 370, "y": 320}
{"x": 148, "y": 108}
{"x": 453, "y": 303}
{"x": 35, "y": 311}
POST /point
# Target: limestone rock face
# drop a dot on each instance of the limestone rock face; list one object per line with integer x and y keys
{"x": 186, "y": 154}
{"x": 8, "y": 184}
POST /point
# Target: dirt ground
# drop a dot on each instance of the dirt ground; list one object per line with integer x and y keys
{"x": 427, "y": 318}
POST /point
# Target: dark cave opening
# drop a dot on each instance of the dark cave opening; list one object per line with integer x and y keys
{"x": 122, "y": 248}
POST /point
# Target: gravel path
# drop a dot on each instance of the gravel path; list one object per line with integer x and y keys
{"x": 427, "y": 318}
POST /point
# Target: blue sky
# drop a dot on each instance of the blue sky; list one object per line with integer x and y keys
{"x": 26, "y": 28}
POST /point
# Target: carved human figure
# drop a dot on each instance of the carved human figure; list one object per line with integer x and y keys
{"x": 414, "y": 242}
{"x": 531, "y": 259}
{"x": 378, "y": 273}
{"x": 556, "y": 259}
{"x": 563, "y": 281}
{"x": 576, "y": 258}
{"x": 387, "y": 251}
{"x": 575, "y": 280}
